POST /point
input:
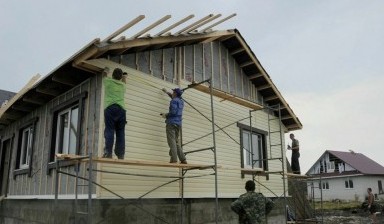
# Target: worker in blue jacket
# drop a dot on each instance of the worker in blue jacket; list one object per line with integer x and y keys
{"x": 173, "y": 119}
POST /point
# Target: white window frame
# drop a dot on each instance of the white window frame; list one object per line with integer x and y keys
{"x": 26, "y": 147}
{"x": 64, "y": 146}
{"x": 347, "y": 184}
{"x": 258, "y": 152}
{"x": 324, "y": 185}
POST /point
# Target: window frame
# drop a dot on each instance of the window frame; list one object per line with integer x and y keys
{"x": 263, "y": 150}
{"x": 25, "y": 168}
{"x": 78, "y": 100}
{"x": 324, "y": 185}
{"x": 348, "y": 183}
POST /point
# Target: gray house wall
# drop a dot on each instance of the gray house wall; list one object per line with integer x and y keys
{"x": 40, "y": 180}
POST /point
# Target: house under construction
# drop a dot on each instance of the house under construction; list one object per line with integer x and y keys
{"x": 234, "y": 123}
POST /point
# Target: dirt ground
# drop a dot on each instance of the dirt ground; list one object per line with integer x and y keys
{"x": 353, "y": 219}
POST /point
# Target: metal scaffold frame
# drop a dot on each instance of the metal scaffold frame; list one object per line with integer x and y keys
{"x": 276, "y": 110}
{"x": 184, "y": 169}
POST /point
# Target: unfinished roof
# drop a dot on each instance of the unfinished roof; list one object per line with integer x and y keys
{"x": 76, "y": 69}
{"x": 358, "y": 161}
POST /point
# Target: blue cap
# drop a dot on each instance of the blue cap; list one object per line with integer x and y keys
{"x": 178, "y": 91}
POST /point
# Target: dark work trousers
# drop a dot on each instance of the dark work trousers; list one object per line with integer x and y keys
{"x": 175, "y": 150}
{"x": 295, "y": 162}
{"x": 115, "y": 120}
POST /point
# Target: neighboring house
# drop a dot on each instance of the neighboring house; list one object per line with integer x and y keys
{"x": 345, "y": 176}
{"x": 63, "y": 113}
{"x": 5, "y": 96}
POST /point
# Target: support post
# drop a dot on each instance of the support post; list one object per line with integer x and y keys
{"x": 214, "y": 152}
{"x": 90, "y": 181}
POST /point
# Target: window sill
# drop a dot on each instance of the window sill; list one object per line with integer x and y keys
{"x": 20, "y": 171}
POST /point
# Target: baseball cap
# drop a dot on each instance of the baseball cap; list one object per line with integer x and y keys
{"x": 178, "y": 91}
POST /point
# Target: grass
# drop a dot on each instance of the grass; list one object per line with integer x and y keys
{"x": 338, "y": 205}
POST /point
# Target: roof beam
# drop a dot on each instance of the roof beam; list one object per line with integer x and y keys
{"x": 153, "y": 25}
{"x": 22, "y": 108}
{"x": 64, "y": 80}
{"x": 263, "y": 87}
{"x": 174, "y": 25}
{"x": 202, "y": 23}
{"x": 286, "y": 117}
{"x": 218, "y": 22}
{"x": 33, "y": 100}
{"x": 194, "y": 24}
{"x": 236, "y": 51}
{"x": 47, "y": 91}
{"x": 269, "y": 98}
{"x": 161, "y": 40}
{"x": 124, "y": 28}
{"x": 245, "y": 64}
{"x": 255, "y": 76}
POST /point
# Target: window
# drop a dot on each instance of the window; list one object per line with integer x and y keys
{"x": 331, "y": 165}
{"x": 324, "y": 185}
{"x": 256, "y": 155}
{"x": 349, "y": 184}
{"x": 66, "y": 133}
{"x": 67, "y": 129}
{"x": 380, "y": 187}
{"x": 25, "y": 148}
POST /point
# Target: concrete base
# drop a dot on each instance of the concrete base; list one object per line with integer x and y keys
{"x": 148, "y": 211}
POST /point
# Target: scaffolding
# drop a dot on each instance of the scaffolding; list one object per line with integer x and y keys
{"x": 274, "y": 113}
{"x": 184, "y": 169}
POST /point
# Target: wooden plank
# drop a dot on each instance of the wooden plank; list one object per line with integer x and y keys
{"x": 175, "y": 25}
{"x": 160, "y": 21}
{"x": 254, "y": 171}
{"x": 202, "y": 23}
{"x": 16, "y": 97}
{"x": 133, "y": 162}
{"x": 228, "y": 97}
{"x": 218, "y": 22}
{"x": 255, "y": 76}
{"x": 194, "y": 24}
{"x": 124, "y": 28}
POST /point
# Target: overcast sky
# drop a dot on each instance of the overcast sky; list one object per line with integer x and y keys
{"x": 325, "y": 57}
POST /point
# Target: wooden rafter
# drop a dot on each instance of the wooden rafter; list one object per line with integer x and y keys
{"x": 228, "y": 97}
{"x": 202, "y": 23}
{"x": 236, "y": 51}
{"x": 124, "y": 28}
{"x": 263, "y": 87}
{"x": 247, "y": 63}
{"x": 274, "y": 97}
{"x": 260, "y": 68}
{"x": 255, "y": 76}
{"x": 161, "y": 40}
{"x": 174, "y": 25}
{"x": 153, "y": 25}
{"x": 218, "y": 22}
{"x": 193, "y": 24}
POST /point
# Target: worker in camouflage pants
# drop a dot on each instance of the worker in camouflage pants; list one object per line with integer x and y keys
{"x": 251, "y": 206}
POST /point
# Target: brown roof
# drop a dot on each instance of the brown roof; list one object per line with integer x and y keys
{"x": 360, "y": 162}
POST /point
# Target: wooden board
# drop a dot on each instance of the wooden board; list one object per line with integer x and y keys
{"x": 134, "y": 162}
{"x": 228, "y": 97}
